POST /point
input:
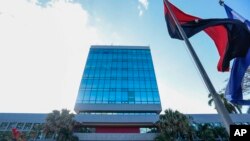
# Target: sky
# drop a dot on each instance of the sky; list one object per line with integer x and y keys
{"x": 44, "y": 46}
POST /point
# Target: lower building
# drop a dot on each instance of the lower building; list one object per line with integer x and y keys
{"x": 25, "y": 123}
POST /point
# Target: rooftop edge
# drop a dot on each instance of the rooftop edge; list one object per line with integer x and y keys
{"x": 119, "y": 47}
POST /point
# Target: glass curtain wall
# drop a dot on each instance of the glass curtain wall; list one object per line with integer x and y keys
{"x": 119, "y": 76}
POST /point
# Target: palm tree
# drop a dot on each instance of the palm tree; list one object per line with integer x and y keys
{"x": 231, "y": 108}
{"x": 60, "y": 124}
{"x": 209, "y": 132}
{"x": 174, "y": 125}
{"x": 220, "y": 132}
{"x": 205, "y": 132}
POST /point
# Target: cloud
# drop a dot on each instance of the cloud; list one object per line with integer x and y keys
{"x": 43, "y": 50}
{"x": 140, "y": 10}
{"x": 143, "y": 5}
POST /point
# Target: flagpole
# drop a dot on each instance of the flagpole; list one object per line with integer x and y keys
{"x": 222, "y": 111}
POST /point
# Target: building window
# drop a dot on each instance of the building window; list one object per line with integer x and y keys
{"x": 3, "y": 125}
{"x": 119, "y": 76}
{"x": 20, "y": 126}
{"x": 27, "y": 126}
{"x": 12, "y": 125}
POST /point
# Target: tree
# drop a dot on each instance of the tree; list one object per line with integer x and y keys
{"x": 234, "y": 108}
{"x": 245, "y": 91}
{"x": 174, "y": 125}
{"x": 220, "y": 132}
{"x": 209, "y": 132}
{"x": 205, "y": 132}
{"x": 13, "y": 135}
{"x": 60, "y": 124}
{"x": 231, "y": 108}
{"x": 5, "y": 136}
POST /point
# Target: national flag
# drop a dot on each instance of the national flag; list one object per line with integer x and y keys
{"x": 234, "y": 15}
{"x": 230, "y": 36}
{"x": 240, "y": 65}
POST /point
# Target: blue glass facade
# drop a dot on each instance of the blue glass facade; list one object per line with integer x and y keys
{"x": 119, "y": 76}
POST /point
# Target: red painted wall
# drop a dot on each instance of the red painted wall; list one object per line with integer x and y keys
{"x": 117, "y": 129}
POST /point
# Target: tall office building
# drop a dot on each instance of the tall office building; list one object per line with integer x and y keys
{"x": 118, "y": 97}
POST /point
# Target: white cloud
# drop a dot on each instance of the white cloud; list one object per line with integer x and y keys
{"x": 143, "y": 5}
{"x": 42, "y": 54}
{"x": 140, "y": 10}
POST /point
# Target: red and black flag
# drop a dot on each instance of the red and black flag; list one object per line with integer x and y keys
{"x": 230, "y": 36}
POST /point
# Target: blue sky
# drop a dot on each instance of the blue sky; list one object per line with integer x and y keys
{"x": 52, "y": 39}
{"x": 174, "y": 67}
